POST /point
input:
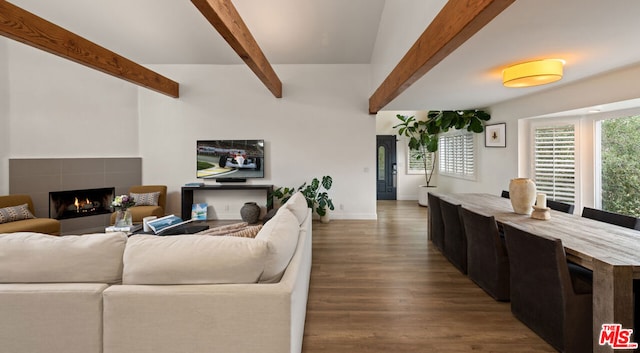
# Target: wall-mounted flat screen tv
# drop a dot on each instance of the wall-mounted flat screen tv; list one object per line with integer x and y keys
{"x": 230, "y": 160}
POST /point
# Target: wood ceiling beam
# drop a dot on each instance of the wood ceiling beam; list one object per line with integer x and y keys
{"x": 226, "y": 20}
{"x": 25, "y": 27}
{"x": 458, "y": 21}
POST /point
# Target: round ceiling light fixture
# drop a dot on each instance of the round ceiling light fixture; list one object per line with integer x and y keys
{"x": 533, "y": 73}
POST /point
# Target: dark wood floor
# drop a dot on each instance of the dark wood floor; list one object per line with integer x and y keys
{"x": 380, "y": 286}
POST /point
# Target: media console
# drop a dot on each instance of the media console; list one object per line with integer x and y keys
{"x": 187, "y": 194}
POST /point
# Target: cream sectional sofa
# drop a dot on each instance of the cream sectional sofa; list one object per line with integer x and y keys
{"x": 188, "y": 293}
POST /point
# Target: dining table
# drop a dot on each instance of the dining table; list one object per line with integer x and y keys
{"x": 612, "y": 252}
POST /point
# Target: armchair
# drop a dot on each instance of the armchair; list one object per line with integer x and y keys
{"x": 138, "y": 212}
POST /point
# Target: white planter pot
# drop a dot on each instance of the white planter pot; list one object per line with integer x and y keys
{"x": 423, "y": 191}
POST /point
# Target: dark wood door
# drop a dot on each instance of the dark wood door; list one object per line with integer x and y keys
{"x": 386, "y": 167}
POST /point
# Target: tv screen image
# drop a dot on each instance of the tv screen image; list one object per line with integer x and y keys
{"x": 230, "y": 159}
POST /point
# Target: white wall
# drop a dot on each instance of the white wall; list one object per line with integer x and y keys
{"x": 4, "y": 117}
{"x": 320, "y": 126}
{"x": 402, "y": 23}
{"x": 61, "y": 109}
{"x": 57, "y": 108}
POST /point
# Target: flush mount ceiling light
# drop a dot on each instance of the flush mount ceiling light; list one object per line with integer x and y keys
{"x": 533, "y": 73}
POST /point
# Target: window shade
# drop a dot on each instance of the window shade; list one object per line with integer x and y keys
{"x": 457, "y": 155}
{"x": 416, "y": 164}
{"x": 554, "y": 162}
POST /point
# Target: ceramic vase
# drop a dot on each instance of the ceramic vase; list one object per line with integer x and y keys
{"x": 123, "y": 218}
{"x": 250, "y": 212}
{"x": 522, "y": 193}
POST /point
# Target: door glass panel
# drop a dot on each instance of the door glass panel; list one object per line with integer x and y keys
{"x": 381, "y": 163}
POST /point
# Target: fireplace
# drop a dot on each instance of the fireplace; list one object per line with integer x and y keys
{"x": 80, "y": 203}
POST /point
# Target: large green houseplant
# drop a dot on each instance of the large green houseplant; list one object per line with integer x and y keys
{"x": 423, "y": 134}
{"x": 315, "y": 192}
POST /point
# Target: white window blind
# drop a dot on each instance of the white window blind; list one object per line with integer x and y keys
{"x": 415, "y": 164}
{"x": 554, "y": 162}
{"x": 457, "y": 155}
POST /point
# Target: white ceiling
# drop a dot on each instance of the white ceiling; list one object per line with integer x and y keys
{"x": 593, "y": 36}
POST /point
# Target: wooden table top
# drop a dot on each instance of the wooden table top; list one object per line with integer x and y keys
{"x": 584, "y": 239}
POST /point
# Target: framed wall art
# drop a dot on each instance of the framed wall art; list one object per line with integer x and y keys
{"x": 495, "y": 135}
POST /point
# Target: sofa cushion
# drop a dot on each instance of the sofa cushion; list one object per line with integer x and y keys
{"x": 297, "y": 204}
{"x": 192, "y": 259}
{"x": 146, "y": 199}
{"x": 39, "y": 258}
{"x": 36, "y": 225}
{"x": 281, "y": 233}
{"x": 15, "y": 213}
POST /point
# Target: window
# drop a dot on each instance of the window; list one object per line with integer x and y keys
{"x": 457, "y": 155}
{"x": 415, "y": 164}
{"x": 555, "y": 162}
{"x": 620, "y": 165}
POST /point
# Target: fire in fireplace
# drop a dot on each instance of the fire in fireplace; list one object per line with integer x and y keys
{"x": 80, "y": 203}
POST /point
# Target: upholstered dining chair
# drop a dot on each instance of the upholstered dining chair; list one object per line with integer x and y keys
{"x": 487, "y": 260}
{"x": 611, "y": 218}
{"x": 455, "y": 241}
{"x": 554, "y": 302}
{"x": 436, "y": 226}
{"x": 151, "y": 200}
{"x": 560, "y": 206}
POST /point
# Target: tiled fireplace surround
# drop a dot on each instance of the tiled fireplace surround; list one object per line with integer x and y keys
{"x": 39, "y": 176}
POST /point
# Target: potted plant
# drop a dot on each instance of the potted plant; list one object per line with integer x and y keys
{"x": 318, "y": 197}
{"x": 423, "y": 136}
{"x": 316, "y": 194}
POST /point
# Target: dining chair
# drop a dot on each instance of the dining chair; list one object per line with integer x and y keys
{"x": 560, "y": 206}
{"x": 455, "y": 241}
{"x": 487, "y": 260}
{"x": 436, "y": 226}
{"x": 552, "y": 301}
{"x": 611, "y": 218}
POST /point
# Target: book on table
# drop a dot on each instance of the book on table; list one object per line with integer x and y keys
{"x": 165, "y": 224}
{"x": 199, "y": 211}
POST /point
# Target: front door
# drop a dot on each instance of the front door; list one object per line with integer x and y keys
{"x": 386, "y": 167}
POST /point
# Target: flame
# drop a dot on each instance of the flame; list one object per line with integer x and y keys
{"x": 77, "y": 204}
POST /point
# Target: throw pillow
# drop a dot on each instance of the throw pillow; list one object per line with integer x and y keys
{"x": 15, "y": 213}
{"x": 247, "y": 232}
{"x": 148, "y": 199}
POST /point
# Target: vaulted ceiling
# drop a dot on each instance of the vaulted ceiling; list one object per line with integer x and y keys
{"x": 593, "y": 36}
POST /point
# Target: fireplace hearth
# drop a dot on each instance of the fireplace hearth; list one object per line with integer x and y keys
{"x": 80, "y": 203}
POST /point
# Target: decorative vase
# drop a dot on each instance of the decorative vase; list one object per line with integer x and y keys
{"x": 522, "y": 193}
{"x": 124, "y": 218}
{"x": 250, "y": 212}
